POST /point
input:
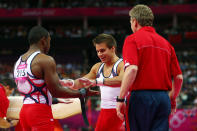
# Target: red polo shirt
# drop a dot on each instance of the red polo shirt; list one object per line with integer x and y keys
{"x": 4, "y": 102}
{"x": 155, "y": 58}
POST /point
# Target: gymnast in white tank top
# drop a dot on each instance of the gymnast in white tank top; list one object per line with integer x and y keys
{"x": 108, "y": 94}
{"x": 33, "y": 89}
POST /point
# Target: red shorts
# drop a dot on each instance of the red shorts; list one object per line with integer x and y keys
{"x": 36, "y": 117}
{"x": 109, "y": 121}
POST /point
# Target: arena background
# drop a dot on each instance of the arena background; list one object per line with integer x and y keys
{"x": 74, "y": 23}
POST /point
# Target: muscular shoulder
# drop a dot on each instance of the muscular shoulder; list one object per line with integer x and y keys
{"x": 93, "y": 71}
{"x": 121, "y": 64}
{"x": 120, "y": 67}
{"x": 41, "y": 64}
{"x": 95, "y": 67}
{"x": 45, "y": 60}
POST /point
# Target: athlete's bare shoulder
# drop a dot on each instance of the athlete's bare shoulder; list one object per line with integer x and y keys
{"x": 93, "y": 71}
{"x": 121, "y": 64}
{"x": 41, "y": 64}
{"x": 46, "y": 57}
{"x": 120, "y": 68}
{"x": 96, "y": 66}
{"x": 45, "y": 60}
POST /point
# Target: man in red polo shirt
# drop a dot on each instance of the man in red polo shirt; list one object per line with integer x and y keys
{"x": 5, "y": 90}
{"x": 150, "y": 64}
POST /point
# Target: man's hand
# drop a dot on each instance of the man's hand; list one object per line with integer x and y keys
{"x": 64, "y": 100}
{"x": 92, "y": 92}
{"x": 121, "y": 110}
{"x": 14, "y": 122}
{"x": 173, "y": 106}
{"x": 87, "y": 82}
{"x": 67, "y": 82}
{"x": 4, "y": 123}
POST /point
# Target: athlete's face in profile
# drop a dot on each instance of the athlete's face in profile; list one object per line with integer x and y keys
{"x": 104, "y": 53}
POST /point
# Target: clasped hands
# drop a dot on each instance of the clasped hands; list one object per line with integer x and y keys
{"x": 81, "y": 83}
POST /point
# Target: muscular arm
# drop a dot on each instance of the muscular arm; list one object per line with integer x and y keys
{"x": 91, "y": 75}
{"x": 116, "y": 81}
{"x": 51, "y": 78}
{"x": 113, "y": 82}
{"x": 128, "y": 79}
{"x": 4, "y": 123}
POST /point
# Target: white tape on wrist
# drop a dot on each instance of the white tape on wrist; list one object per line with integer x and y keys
{"x": 73, "y": 83}
{"x": 70, "y": 80}
{"x": 99, "y": 81}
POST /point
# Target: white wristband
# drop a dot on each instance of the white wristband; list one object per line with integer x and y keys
{"x": 70, "y": 80}
{"x": 99, "y": 81}
{"x": 73, "y": 83}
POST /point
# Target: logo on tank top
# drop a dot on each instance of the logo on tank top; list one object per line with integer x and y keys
{"x": 21, "y": 78}
{"x": 21, "y": 72}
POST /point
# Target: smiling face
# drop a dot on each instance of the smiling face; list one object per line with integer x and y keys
{"x": 104, "y": 53}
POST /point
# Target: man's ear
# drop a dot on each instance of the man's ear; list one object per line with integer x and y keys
{"x": 43, "y": 41}
{"x": 135, "y": 23}
{"x": 113, "y": 48}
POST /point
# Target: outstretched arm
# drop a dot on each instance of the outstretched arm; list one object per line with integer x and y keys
{"x": 51, "y": 78}
{"x": 85, "y": 81}
{"x": 117, "y": 80}
{"x": 90, "y": 78}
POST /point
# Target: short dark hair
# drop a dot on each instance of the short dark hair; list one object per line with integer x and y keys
{"x": 36, "y": 33}
{"x": 108, "y": 39}
{"x": 8, "y": 82}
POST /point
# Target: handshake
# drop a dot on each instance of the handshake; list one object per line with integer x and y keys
{"x": 82, "y": 84}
